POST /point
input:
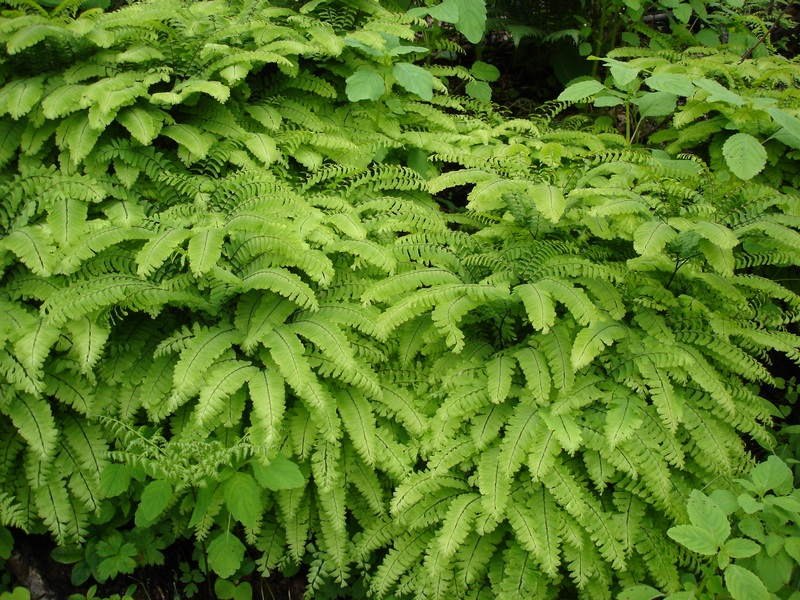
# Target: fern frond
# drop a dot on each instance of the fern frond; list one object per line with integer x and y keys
{"x": 334, "y": 532}
{"x": 158, "y": 248}
{"x": 283, "y": 282}
{"x": 557, "y": 347}
{"x": 406, "y": 551}
{"x": 33, "y": 247}
{"x": 267, "y": 395}
{"x": 397, "y": 285}
{"x": 287, "y": 352}
{"x": 58, "y": 511}
{"x": 537, "y": 374}
{"x": 521, "y": 578}
{"x": 359, "y": 423}
{"x": 33, "y": 348}
{"x": 365, "y": 480}
{"x": 221, "y": 382}
{"x": 69, "y": 388}
{"x": 34, "y": 421}
{"x": 200, "y": 353}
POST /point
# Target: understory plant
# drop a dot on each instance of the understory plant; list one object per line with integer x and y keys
{"x": 268, "y": 286}
{"x": 747, "y": 543}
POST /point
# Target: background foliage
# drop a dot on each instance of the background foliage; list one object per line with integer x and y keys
{"x": 270, "y": 284}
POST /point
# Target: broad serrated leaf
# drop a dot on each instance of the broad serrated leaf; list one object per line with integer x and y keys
{"x": 243, "y": 498}
{"x": 717, "y": 92}
{"x": 790, "y": 126}
{"x": 674, "y": 83}
{"x": 155, "y": 499}
{"x": 279, "y": 474}
{"x": 580, "y": 91}
{"x": 697, "y": 539}
{"x": 744, "y": 155}
{"x": 225, "y": 554}
{"x": 705, "y": 513}
{"x": 471, "y": 19}
{"x": 414, "y": 79}
{"x": 744, "y": 584}
{"x": 365, "y": 85}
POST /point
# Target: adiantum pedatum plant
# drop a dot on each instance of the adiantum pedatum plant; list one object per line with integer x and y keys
{"x": 236, "y": 312}
{"x": 746, "y": 125}
{"x": 746, "y": 542}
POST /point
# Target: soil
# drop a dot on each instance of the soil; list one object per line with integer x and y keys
{"x": 32, "y": 567}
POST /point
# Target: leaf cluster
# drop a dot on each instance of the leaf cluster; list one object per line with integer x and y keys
{"x": 238, "y": 310}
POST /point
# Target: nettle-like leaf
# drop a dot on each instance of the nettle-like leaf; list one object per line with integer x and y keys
{"x": 745, "y": 155}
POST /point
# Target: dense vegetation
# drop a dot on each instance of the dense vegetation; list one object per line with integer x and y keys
{"x": 279, "y": 281}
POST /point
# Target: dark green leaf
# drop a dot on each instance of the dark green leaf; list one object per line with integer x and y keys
{"x": 581, "y": 91}
{"x": 772, "y": 474}
{"x": 280, "y": 474}
{"x": 696, "y": 539}
{"x": 243, "y": 498}
{"x": 364, "y": 85}
{"x": 6, "y": 543}
{"x": 155, "y": 498}
{"x": 480, "y": 90}
{"x": 484, "y": 71}
{"x": 225, "y": 553}
{"x": 744, "y": 585}
{"x": 414, "y": 79}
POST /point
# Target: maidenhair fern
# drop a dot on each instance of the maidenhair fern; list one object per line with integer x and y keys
{"x": 234, "y": 300}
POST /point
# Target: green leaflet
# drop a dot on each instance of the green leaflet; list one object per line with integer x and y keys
{"x": 225, "y": 553}
{"x": 158, "y": 249}
{"x": 196, "y": 142}
{"x": 200, "y": 353}
{"x": 34, "y": 421}
{"x": 17, "y": 98}
{"x": 205, "y": 248}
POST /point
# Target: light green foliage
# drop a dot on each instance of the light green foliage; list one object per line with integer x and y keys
{"x": 751, "y": 535}
{"x": 739, "y": 113}
{"x": 238, "y": 312}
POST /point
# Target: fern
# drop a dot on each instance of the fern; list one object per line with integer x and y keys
{"x": 495, "y": 354}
